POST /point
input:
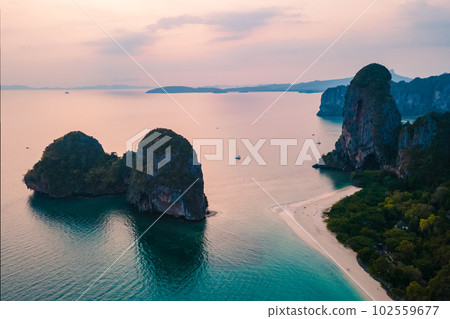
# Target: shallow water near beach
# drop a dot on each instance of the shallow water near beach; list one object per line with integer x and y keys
{"x": 54, "y": 249}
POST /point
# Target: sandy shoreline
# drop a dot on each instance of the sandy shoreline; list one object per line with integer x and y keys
{"x": 305, "y": 219}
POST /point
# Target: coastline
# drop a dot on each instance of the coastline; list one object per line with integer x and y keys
{"x": 305, "y": 219}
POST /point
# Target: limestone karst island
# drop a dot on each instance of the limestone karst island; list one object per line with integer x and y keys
{"x": 77, "y": 165}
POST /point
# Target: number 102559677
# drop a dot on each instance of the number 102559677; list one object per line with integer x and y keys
{"x": 405, "y": 310}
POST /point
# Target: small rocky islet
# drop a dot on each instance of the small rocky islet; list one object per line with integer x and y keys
{"x": 77, "y": 165}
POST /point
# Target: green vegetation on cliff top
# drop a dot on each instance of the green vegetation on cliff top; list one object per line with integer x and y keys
{"x": 76, "y": 164}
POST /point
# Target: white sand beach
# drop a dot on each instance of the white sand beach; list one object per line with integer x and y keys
{"x": 305, "y": 219}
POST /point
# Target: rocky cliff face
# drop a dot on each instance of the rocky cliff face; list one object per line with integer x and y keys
{"x": 157, "y": 192}
{"x": 421, "y": 96}
{"x": 75, "y": 165}
{"x": 371, "y": 123}
{"x": 418, "y": 97}
{"x": 419, "y": 142}
{"x": 332, "y": 101}
{"x": 373, "y": 137}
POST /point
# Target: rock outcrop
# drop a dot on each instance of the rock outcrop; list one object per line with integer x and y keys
{"x": 371, "y": 124}
{"x": 332, "y": 101}
{"x": 159, "y": 191}
{"x": 415, "y": 98}
{"x": 424, "y": 144}
{"x": 421, "y": 96}
{"x": 374, "y": 138}
{"x": 77, "y": 165}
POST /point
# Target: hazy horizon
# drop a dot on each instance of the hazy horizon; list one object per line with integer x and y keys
{"x": 221, "y": 85}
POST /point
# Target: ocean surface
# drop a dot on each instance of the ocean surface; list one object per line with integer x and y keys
{"x": 54, "y": 249}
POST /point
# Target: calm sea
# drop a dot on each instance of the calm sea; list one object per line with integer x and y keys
{"x": 53, "y": 249}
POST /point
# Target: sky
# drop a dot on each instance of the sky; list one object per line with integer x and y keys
{"x": 206, "y": 43}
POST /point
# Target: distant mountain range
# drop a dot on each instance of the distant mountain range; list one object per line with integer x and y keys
{"x": 304, "y": 87}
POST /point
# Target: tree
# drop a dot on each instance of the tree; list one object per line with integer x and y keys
{"x": 426, "y": 224}
{"x": 406, "y": 251}
{"x": 367, "y": 255}
{"x": 417, "y": 212}
{"x": 415, "y": 291}
{"x": 359, "y": 242}
{"x": 439, "y": 286}
{"x": 393, "y": 237}
{"x": 380, "y": 267}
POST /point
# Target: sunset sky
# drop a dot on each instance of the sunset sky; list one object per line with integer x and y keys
{"x": 200, "y": 42}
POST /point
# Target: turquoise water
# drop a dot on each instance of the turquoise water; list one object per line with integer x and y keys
{"x": 54, "y": 249}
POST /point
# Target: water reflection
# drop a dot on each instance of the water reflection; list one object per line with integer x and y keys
{"x": 332, "y": 119}
{"x": 170, "y": 256}
{"x": 172, "y": 252}
{"x": 338, "y": 178}
{"x": 76, "y": 213}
